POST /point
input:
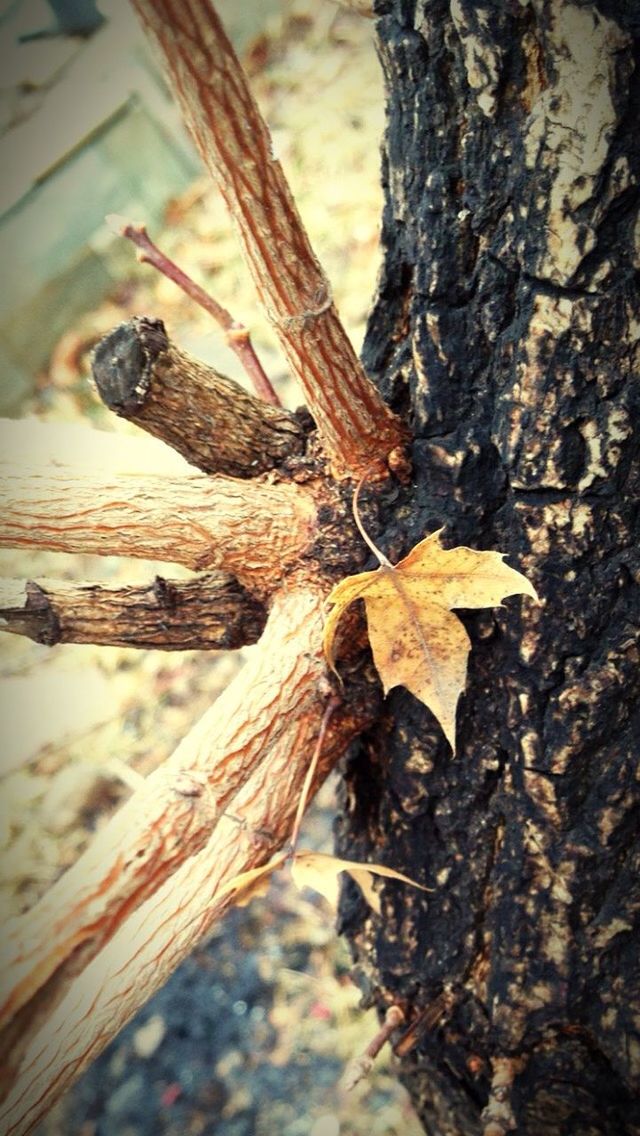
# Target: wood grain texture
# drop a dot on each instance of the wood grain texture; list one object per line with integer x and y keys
{"x": 252, "y": 530}
{"x": 210, "y": 612}
{"x": 250, "y": 754}
{"x": 168, "y": 820}
{"x": 357, "y": 428}
{"x": 212, "y": 421}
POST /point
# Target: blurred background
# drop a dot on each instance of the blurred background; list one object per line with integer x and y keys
{"x": 253, "y": 1032}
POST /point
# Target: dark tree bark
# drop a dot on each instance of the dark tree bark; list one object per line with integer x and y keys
{"x": 506, "y": 328}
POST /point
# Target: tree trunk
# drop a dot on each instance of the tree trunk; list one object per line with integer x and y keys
{"x": 505, "y": 327}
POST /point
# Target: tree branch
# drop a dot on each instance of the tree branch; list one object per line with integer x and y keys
{"x": 357, "y": 429}
{"x": 166, "y": 822}
{"x": 210, "y": 612}
{"x": 236, "y": 337}
{"x": 209, "y": 419}
{"x": 253, "y": 530}
{"x": 251, "y": 749}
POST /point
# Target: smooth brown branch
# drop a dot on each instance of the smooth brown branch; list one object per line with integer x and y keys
{"x": 210, "y": 612}
{"x": 251, "y": 529}
{"x": 355, "y": 425}
{"x": 209, "y": 419}
{"x": 236, "y": 337}
{"x": 361, "y": 1066}
{"x": 253, "y": 747}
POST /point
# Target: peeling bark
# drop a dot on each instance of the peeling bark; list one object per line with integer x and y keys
{"x": 209, "y": 419}
{"x": 210, "y": 612}
{"x": 165, "y": 823}
{"x": 507, "y": 326}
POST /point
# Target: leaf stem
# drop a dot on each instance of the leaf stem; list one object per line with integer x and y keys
{"x": 330, "y": 709}
{"x": 236, "y": 335}
{"x": 380, "y": 557}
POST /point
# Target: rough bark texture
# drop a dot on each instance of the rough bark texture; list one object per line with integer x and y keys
{"x": 168, "y": 821}
{"x": 357, "y": 428}
{"x": 209, "y": 419}
{"x": 506, "y": 325}
{"x": 254, "y": 530}
{"x": 210, "y": 612}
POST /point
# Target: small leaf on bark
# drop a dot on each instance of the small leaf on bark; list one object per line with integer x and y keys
{"x": 416, "y": 640}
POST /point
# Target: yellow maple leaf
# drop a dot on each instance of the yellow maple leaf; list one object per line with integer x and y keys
{"x": 416, "y": 640}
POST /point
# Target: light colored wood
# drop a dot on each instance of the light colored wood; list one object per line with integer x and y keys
{"x": 252, "y": 749}
{"x": 169, "y": 819}
{"x": 361, "y": 7}
{"x": 252, "y": 529}
{"x": 357, "y": 429}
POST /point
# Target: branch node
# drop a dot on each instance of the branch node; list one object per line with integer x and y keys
{"x": 209, "y": 612}
{"x": 362, "y": 1065}
{"x": 323, "y": 298}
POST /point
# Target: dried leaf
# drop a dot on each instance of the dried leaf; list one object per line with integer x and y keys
{"x": 320, "y": 872}
{"x": 251, "y": 884}
{"x": 416, "y": 641}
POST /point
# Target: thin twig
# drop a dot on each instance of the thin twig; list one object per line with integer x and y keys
{"x": 498, "y": 1117}
{"x": 380, "y": 557}
{"x": 361, "y": 1066}
{"x": 236, "y": 335}
{"x": 331, "y": 706}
